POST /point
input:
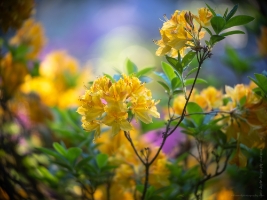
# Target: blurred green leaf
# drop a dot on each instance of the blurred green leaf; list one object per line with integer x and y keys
{"x": 187, "y": 59}
{"x": 215, "y": 38}
{"x": 35, "y": 69}
{"x": 175, "y": 64}
{"x": 175, "y": 83}
{"x": 190, "y": 81}
{"x": 231, "y": 13}
{"x": 60, "y": 149}
{"x": 168, "y": 70}
{"x": 165, "y": 86}
{"x": 73, "y": 153}
{"x": 157, "y": 124}
{"x": 208, "y": 30}
{"x": 191, "y": 72}
{"x": 192, "y": 108}
{"x": 144, "y": 71}
{"x": 140, "y": 188}
{"x": 110, "y": 77}
{"x": 164, "y": 77}
{"x": 238, "y": 20}
{"x": 211, "y": 10}
{"x": 84, "y": 162}
{"x": 232, "y": 33}
{"x": 101, "y": 160}
{"x": 217, "y": 24}
{"x": 225, "y": 13}
{"x": 131, "y": 67}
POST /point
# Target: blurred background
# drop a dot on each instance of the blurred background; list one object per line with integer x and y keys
{"x": 102, "y": 34}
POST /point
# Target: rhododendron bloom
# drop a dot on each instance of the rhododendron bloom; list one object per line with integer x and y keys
{"x": 111, "y": 102}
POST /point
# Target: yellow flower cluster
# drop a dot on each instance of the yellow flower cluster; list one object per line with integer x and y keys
{"x": 246, "y": 121}
{"x": 31, "y": 34}
{"x": 130, "y": 170}
{"x": 58, "y": 81}
{"x": 180, "y": 32}
{"x": 207, "y": 99}
{"x": 109, "y": 103}
{"x": 248, "y": 124}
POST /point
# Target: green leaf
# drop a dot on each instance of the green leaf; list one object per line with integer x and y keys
{"x": 191, "y": 80}
{"x": 84, "y": 162}
{"x": 110, "y": 77}
{"x": 163, "y": 76}
{"x": 193, "y": 107}
{"x": 175, "y": 64}
{"x": 131, "y": 67}
{"x": 144, "y": 71}
{"x": 211, "y": 10}
{"x": 35, "y": 70}
{"x": 60, "y": 149}
{"x": 238, "y": 20}
{"x": 48, "y": 151}
{"x": 208, "y": 30}
{"x": 262, "y": 80}
{"x": 46, "y": 174}
{"x": 168, "y": 70}
{"x": 187, "y": 59}
{"x": 175, "y": 82}
{"x": 217, "y": 24}
{"x": 215, "y": 38}
{"x": 225, "y": 13}
{"x": 165, "y": 86}
{"x": 191, "y": 71}
{"x": 157, "y": 124}
{"x": 140, "y": 188}
{"x": 171, "y": 60}
{"x": 232, "y": 33}
{"x": 242, "y": 101}
{"x": 231, "y": 13}
{"x": 176, "y": 92}
{"x": 73, "y": 153}
{"x": 101, "y": 160}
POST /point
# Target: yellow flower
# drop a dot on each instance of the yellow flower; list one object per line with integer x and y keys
{"x": 14, "y": 12}
{"x": 204, "y": 17}
{"x": 31, "y": 34}
{"x": 177, "y": 34}
{"x": 117, "y": 117}
{"x": 144, "y": 108}
{"x": 59, "y": 81}
{"x": 115, "y": 100}
{"x": 12, "y": 74}
{"x": 92, "y": 125}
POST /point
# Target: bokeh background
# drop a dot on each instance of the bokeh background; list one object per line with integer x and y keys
{"x": 102, "y": 34}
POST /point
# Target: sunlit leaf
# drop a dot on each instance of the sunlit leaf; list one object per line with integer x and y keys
{"x": 131, "y": 67}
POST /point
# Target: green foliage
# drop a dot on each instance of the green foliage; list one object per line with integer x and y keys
{"x": 131, "y": 67}
{"x": 261, "y": 81}
{"x": 102, "y": 160}
{"x": 228, "y": 20}
{"x": 239, "y": 64}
